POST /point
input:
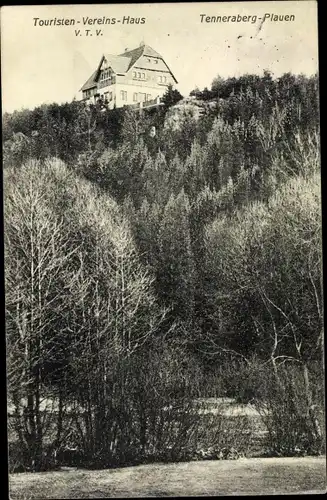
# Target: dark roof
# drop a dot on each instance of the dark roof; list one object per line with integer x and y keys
{"x": 142, "y": 50}
{"x": 132, "y": 55}
{"x": 147, "y": 51}
{"x": 91, "y": 82}
{"x": 123, "y": 62}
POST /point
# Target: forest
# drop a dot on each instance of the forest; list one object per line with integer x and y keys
{"x": 145, "y": 274}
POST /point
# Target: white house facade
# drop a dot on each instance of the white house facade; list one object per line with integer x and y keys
{"x": 137, "y": 77}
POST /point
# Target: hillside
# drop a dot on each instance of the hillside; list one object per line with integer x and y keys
{"x": 156, "y": 259}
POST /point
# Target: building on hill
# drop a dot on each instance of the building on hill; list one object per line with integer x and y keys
{"x": 137, "y": 78}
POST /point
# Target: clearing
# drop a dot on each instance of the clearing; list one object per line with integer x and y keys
{"x": 225, "y": 477}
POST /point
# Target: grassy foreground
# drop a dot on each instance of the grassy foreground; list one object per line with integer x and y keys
{"x": 244, "y": 476}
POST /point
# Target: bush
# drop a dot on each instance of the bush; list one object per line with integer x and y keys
{"x": 20, "y": 459}
{"x": 222, "y": 437}
{"x": 294, "y": 427}
{"x": 149, "y": 414}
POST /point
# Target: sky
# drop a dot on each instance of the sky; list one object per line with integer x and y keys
{"x": 45, "y": 64}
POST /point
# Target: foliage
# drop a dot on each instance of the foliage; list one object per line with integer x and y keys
{"x": 187, "y": 263}
{"x": 171, "y": 96}
{"x": 56, "y": 296}
{"x": 294, "y": 427}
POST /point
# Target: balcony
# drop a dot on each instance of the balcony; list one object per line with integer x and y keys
{"x": 147, "y": 104}
{"x": 106, "y": 83}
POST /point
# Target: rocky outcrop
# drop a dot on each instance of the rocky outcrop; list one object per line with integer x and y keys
{"x": 188, "y": 108}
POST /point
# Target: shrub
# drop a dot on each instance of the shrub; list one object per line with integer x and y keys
{"x": 294, "y": 427}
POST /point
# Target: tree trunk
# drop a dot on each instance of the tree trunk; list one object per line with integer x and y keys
{"x": 38, "y": 426}
{"x": 59, "y": 420}
{"x": 311, "y": 408}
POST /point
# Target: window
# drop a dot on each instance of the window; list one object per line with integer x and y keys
{"x": 123, "y": 95}
{"x": 139, "y": 76}
{"x": 156, "y": 61}
{"x": 105, "y": 74}
{"x": 135, "y": 97}
{"x": 148, "y": 97}
{"x": 142, "y": 97}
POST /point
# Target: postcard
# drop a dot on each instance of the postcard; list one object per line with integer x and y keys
{"x": 163, "y": 249}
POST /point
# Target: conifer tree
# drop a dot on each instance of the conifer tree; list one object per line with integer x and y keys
{"x": 176, "y": 264}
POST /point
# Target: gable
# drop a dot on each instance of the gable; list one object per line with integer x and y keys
{"x": 151, "y": 63}
{"x": 143, "y": 57}
{"x": 148, "y": 51}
